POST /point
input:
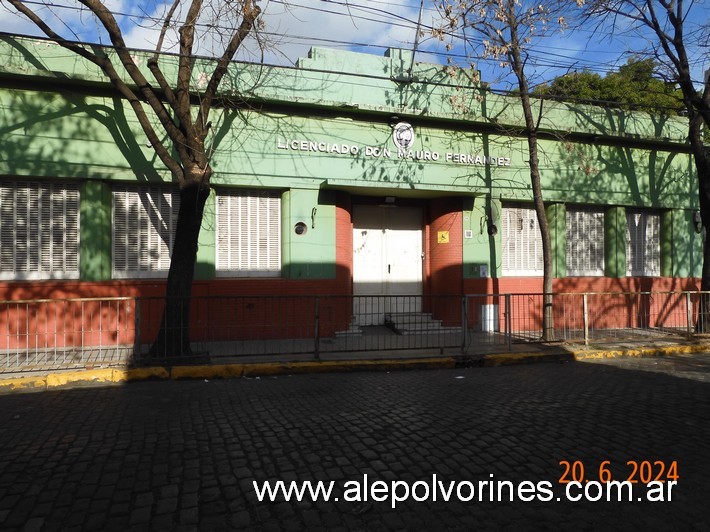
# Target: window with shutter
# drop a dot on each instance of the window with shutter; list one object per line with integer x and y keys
{"x": 643, "y": 243}
{"x": 144, "y": 221}
{"x": 39, "y": 230}
{"x": 248, "y": 233}
{"x": 522, "y": 243}
{"x": 585, "y": 242}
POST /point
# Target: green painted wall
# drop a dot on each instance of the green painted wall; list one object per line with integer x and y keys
{"x": 556, "y": 218}
{"x": 310, "y": 255}
{"x": 479, "y": 247}
{"x": 686, "y": 244}
{"x": 337, "y": 135}
{"x": 334, "y": 78}
{"x": 206, "y": 262}
{"x": 95, "y": 226}
{"x": 50, "y": 134}
{"x": 77, "y": 133}
{"x": 615, "y": 242}
{"x": 667, "y": 244}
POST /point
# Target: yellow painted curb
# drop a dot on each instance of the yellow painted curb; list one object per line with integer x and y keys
{"x": 55, "y": 380}
{"x": 139, "y": 374}
{"x": 281, "y": 368}
{"x": 223, "y": 371}
{"x": 643, "y": 352}
{"x": 516, "y": 358}
{"x": 19, "y": 384}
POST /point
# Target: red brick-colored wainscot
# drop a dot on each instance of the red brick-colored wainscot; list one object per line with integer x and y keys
{"x": 63, "y": 314}
{"x": 611, "y": 303}
{"x": 444, "y": 259}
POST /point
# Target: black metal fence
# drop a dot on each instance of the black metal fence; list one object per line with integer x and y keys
{"x": 45, "y": 334}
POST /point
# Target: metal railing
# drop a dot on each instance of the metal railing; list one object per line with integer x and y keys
{"x": 49, "y": 333}
{"x": 45, "y": 334}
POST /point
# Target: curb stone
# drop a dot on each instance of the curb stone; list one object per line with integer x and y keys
{"x": 113, "y": 376}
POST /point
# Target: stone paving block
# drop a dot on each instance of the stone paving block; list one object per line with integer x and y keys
{"x": 166, "y": 506}
{"x": 140, "y": 516}
{"x": 189, "y": 516}
{"x": 189, "y": 453}
{"x": 162, "y": 522}
{"x": 34, "y": 524}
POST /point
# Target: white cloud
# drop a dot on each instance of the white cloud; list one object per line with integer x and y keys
{"x": 292, "y": 27}
{"x": 13, "y": 22}
{"x": 363, "y": 25}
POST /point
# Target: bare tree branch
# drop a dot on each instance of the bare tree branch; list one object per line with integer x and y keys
{"x": 250, "y": 13}
{"x": 106, "y": 65}
{"x": 153, "y": 61}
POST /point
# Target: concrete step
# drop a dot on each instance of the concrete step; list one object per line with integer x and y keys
{"x": 440, "y": 330}
{"x": 416, "y": 323}
{"x": 410, "y": 317}
{"x": 353, "y": 330}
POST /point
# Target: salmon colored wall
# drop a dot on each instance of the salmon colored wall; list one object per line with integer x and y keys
{"x": 242, "y": 310}
{"x": 445, "y": 260}
{"x": 606, "y": 307}
{"x": 344, "y": 243}
{"x": 528, "y": 285}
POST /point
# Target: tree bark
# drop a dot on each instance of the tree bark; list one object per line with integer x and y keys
{"x": 531, "y": 130}
{"x": 701, "y": 157}
{"x": 548, "y": 326}
{"x": 173, "y": 339}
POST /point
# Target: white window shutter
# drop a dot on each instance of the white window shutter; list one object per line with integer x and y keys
{"x": 643, "y": 244}
{"x": 8, "y": 208}
{"x": 144, "y": 222}
{"x": 248, "y": 233}
{"x": 585, "y": 242}
{"x": 522, "y": 242}
{"x": 39, "y": 230}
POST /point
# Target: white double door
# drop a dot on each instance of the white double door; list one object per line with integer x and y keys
{"x": 387, "y": 261}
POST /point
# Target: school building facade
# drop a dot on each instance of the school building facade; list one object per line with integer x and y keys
{"x": 348, "y": 174}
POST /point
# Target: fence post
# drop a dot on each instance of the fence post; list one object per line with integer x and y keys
{"x": 316, "y": 335}
{"x": 464, "y": 322}
{"x": 137, "y": 330}
{"x": 689, "y": 311}
{"x": 508, "y": 322}
{"x": 586, "y": 319}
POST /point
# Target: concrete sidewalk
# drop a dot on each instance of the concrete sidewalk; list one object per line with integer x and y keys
{"x": 269, "y": 365}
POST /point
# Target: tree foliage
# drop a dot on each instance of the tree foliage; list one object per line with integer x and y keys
{"x": 634, "y": 86}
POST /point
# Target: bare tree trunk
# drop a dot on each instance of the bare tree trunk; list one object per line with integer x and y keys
{"x": 173, "y": 338}
{"x": 701, "y": 156}
{"x": 548, "y": 328}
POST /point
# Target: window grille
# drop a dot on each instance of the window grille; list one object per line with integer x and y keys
{"x": 39, "y": 230}
{"x": 585, "y": 242}
{"x": 643, "y": 244}
{"x": 522, "y": 243}
{"x": 144, "y": 222}
{"x": 248, "y": 233}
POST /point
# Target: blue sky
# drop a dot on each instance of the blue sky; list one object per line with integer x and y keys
{"x": 363, "y": 25}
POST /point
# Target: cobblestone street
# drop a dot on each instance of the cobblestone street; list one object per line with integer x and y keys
{"x": 182, "y": 455}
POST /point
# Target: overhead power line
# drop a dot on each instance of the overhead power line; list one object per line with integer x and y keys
{"x": 542, "y": 57}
